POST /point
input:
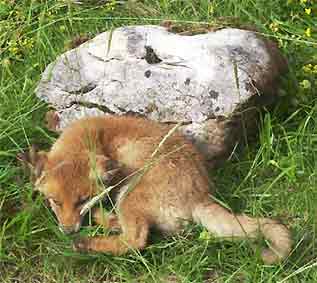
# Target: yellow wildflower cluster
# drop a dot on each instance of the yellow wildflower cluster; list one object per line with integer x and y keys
{"x": 308, "y": 11}
{"x": 16, "y": 47}
{"x": 305, "y": 84}
{"x": 308, "y": 8}
{"x": 211, "y": 9}
{"x": 310, "y": 69}
{"x": 274, "y": 27}
{"x": 110, "y": 5}
{"x": 308, "y": 32}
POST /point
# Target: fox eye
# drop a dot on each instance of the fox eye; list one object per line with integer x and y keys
{"x": 82, "y": 201}
{"x": 55, "y": 202}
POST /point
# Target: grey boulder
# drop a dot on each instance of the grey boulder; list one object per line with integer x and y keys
{"x": 213, "y": 83}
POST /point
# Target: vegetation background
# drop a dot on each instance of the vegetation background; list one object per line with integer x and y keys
{"x": 275, "y": 176}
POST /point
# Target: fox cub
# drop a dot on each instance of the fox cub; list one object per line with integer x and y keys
{"x": 172, "y": 191}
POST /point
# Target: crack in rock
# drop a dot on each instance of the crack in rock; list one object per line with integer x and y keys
{"x": 85, "y": 89}
{"x": 91, "y": 105}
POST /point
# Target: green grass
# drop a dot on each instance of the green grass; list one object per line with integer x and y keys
{"x": 275, "y": 176}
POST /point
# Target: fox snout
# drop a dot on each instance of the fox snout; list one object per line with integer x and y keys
{"x": 69, "y": 223}
{"x": 69, "y": 218}
{"x": 70, "y": 229}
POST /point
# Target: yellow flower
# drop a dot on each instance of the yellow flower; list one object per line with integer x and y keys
{"x": 305, "y": 84}
{"x": 308, "y": 32}
{"x": 28, "y": 43}
{"x": 204, "y": 235}
{"x": 310, "y": 68}
{"x": 308, "y": 11}
{"x": 274, "y": 27}
{"x": 303, "y": 1}
{"x": 307, "y": 68}
{"x": 211, "y": 9}
{"x": 14, "y": 50}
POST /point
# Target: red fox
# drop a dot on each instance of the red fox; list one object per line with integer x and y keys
{"x": 173, "y": 191}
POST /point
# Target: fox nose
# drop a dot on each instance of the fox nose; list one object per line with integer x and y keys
{"x": 69, "y": 229}
{"x": 66, "y": 229}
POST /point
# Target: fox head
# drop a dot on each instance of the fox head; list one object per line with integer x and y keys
{"x": 68, "y": 182}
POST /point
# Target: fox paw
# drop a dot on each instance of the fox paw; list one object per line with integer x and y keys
{"x": 81, "y": 245}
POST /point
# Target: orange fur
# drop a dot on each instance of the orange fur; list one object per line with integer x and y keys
{"x": 173, "y": 192}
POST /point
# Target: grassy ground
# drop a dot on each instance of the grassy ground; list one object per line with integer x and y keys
{"x": 275, "y": 176}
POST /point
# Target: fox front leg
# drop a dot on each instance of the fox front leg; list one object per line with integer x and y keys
{"x": 135, "y": 230}
{"x": 106, "y": 220}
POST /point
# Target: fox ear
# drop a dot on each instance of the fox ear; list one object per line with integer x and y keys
{"x": 103, "y": 168}
{"x": 33, "y": 162}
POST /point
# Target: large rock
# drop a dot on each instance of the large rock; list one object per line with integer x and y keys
{"x": 211, "y": 82}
